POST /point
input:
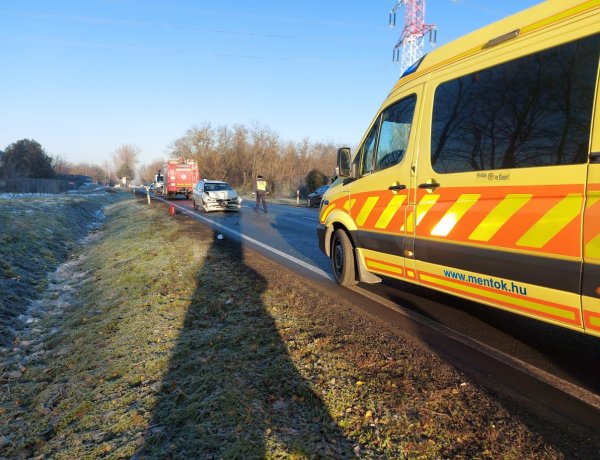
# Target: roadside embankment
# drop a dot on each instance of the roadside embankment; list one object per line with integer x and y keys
{"x": 37, "y": 233}
{"x": 159, "y": 340}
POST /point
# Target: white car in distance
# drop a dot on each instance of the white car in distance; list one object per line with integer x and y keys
{"x": 215, "y": 195}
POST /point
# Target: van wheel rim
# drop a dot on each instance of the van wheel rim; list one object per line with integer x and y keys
{"x": 338, "y": 258}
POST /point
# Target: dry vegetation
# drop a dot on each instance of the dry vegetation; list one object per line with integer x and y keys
{"x": 238, "y": 154}
{"x": 158, "y": 340}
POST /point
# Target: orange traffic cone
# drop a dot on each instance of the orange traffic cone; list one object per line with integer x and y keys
{"x": 171, "y": 209}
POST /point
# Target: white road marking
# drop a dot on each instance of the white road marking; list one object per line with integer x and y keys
{"x": 225, "y": 229}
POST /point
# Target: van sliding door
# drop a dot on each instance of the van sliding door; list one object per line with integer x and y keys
{"x": 501, "y": 180}
{"x": 591, "y": 236}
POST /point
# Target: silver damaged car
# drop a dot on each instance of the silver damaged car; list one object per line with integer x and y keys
{"x": 215, "y": 195}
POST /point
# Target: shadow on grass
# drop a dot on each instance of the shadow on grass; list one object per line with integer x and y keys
{"x": 232, "y": 390}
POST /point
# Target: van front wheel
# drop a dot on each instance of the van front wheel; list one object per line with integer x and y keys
{"x": 342, "y": 259}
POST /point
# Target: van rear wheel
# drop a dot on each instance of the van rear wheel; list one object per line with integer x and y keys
{"x": 342, "y": 259}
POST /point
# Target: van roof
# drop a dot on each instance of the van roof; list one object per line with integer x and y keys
{"x": 526, "y": 21}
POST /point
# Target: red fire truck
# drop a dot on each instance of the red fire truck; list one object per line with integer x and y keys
{"x": 177, "y": 177}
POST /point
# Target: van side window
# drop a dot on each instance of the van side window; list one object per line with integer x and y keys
{"x": 368, "y": 151}
{"x": 533, "y": 111}
{"x": 396, "y": 121}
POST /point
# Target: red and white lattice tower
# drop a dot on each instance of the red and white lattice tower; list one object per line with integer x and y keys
{"x": 411, "y": 41}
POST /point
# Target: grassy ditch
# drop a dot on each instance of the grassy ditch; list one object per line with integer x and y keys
{"x": 37, "y": 233}
{"x": 162, "y": 341}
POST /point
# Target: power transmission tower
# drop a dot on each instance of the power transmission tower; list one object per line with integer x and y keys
{"x": 411, "y": 40}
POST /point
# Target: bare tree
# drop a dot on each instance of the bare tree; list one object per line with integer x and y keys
{"x": 125, "y": 159}
{"x": 147, "y": 172}
{"x": 97, "y": 173}
{"x": 111, "y": 176}
{"x": 60, "y": 165}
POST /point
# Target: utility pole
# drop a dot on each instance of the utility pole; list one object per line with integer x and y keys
{"x": 411, "y": 39}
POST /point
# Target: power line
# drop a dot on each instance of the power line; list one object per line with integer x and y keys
{"x": 476, "y": 6}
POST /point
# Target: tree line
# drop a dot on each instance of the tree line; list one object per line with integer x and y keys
{"x": 238, "y": 154}
{"x": 235, "y": 154}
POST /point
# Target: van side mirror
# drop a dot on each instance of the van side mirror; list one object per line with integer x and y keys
{"x": 343, "y": 162}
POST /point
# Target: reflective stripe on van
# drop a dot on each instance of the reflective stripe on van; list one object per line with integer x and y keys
{"x": 537, "y": 218}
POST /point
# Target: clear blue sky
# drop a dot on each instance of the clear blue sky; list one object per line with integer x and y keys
{"x": 83, "y": 77}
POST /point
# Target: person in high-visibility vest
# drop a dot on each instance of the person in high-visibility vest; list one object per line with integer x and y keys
{"x": 261, "y": 191}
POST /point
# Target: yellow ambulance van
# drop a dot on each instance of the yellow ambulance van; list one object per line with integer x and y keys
{"x": 479, "y": 175}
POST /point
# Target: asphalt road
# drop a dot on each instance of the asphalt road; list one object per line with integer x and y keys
{"x": 288, "y": 234}
{"x": 290, "y": 230}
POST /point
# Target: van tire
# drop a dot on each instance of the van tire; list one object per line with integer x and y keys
{"x": 342, "y": 259}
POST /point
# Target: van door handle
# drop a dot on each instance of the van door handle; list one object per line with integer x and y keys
{"x": 431, "y": 186}
{"x": 595, "y": 157}
{"x": 397, "y": 187}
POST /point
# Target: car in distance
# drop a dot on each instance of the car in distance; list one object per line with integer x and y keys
{"x": 314, "y": 198}
{"x": 215, "y": 195}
